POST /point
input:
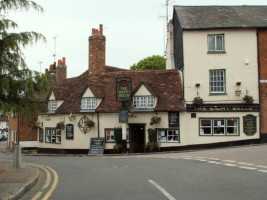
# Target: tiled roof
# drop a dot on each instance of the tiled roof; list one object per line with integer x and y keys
{"x": 208, "y": 17}
{"x": 165, "y": 83}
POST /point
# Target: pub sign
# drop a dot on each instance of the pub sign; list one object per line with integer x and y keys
{"x": 123, "y": 90}
{"x": 69, "y": 132}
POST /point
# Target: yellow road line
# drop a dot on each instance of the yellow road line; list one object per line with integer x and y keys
{"x": 47, "y": 183}
{"x": 48, "y": 194}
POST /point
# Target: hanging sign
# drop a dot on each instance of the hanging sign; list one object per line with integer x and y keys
{"x": 123, "y": 90}
{"x": 123, "y": 116}
{"x": 250, "y": 124}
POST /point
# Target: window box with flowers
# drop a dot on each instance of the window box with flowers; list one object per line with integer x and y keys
{"x": 248, "y": 99}
{"x": 155, "y": 120}
{"x": 60, "y": 125}
{"x": 198, "y": 101}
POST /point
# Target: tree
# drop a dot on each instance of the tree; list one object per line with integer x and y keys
{"x": 19, "y": 86}
{"x": 150, "y": 63}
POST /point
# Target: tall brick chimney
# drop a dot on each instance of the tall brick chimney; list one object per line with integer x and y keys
{"x": 61, "y": 71}
{"x": 97, "y": 51}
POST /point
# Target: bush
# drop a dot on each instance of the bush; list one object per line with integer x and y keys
{"x": 152, "y": 147}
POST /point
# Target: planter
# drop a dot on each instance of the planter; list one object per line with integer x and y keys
{"x": 248, "y": 99}
{"x": 60, "y": 125}
{"x": 198, "y": 101}
{"x": 155, "y": 120}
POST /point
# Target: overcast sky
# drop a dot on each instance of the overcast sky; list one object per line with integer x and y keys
{"x": 134, "y": 29}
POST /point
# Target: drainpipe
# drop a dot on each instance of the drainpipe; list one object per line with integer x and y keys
{"x": 98, "y": 132}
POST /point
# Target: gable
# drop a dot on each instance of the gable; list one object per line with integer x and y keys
{"x": 88, "y": 93}
{"x": 143, "y": 91}
{"x": 52, "y": 96}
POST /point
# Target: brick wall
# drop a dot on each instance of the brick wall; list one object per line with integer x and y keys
{"x": 262, "y": 56}
{"x": 97, "y": 52}
{"x": 26, "y": 133}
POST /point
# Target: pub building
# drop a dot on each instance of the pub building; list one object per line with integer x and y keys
{"x": 85, "y": 112}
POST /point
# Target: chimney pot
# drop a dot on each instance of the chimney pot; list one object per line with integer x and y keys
{"x": 59, "y": 63}
{"x": 101, "y": 29}
{"x": 64, "y": 61}
{"x": 46, "y": 71}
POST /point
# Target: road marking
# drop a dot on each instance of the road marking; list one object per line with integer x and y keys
{"x": 214, "y": 162}
{"x": 37, "y": 195}
{"x": 214, "y": 159}
{"x": 162, "y": 190}
{"x": 250, "y": 168}
{"x": 201, "y": 160}
{"x": 187, "y": 158}
{"x": 199, "y": 157}
{"x": 48, "y": 194}
{"x": 232, "y": 161}
{"x": 230, "y": 165}
{"x": 261, "y": 166}
{"x": 244, "y": 163}
{"x": 47, "y": 183}
{"x": 265, "y": 171}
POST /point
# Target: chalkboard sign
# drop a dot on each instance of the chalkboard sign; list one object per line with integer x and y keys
{"x": 249, "y": 124}
{"x": 69, "y": 132}
{"x": 123, "y": 116}
{"x": 173, "y": 119}
{"x": 97, "y": 145}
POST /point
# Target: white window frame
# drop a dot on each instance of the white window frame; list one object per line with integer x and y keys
{"x": 217, "y": 81}
{"x": 144, "y": 102}
{"x": 111, "y": 139}
{"x": 215, "y": 44}
{"x": 168, "y": 135}
{"x": 214, "y": 124}
{"x": 88, "y": 103}
{"x": 52, "y": 135}
{"x": 52, "y": 104}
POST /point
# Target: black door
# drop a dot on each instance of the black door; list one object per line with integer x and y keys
{"x": 137, "y": 138}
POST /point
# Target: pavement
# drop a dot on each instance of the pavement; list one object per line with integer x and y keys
{"x": 14, "y": 182}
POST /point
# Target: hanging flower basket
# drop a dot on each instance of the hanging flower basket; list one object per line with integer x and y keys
{"x": 90, "y": 123}
{"x": 198, "y": 101}
{"x": 60, "y": 125}
{"x": 155, "y": 120}
{"x": 248, "y": 99}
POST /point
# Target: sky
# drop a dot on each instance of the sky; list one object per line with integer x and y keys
{"x": 134, "y": 29}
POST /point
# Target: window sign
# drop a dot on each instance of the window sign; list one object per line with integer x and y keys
{"x": 69, "y": 132}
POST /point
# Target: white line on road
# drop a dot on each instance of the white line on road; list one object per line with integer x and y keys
{"x": 201, "y": 160}
{"x": 214, "y": 162}
{"x": 162, "y": 190}
{"x": 244, "y": 163}
{"x": 265, "y": 171}
{"x": 229, "y": 161}
{"x": 230, "y": 165}
{"x": 261, "y": 166}
{"x": 213, "y": 158}
{"x": 250, "y": 168}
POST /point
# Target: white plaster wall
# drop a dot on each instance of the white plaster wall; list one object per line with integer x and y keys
{"x": 239, "y": 45}
{"x": 52, "y": 96}
{"x": 88, "y": 93}
{"x": 24, "y": 144}
{"x": 192, "y": 127}
{"x": 80, "y": 141}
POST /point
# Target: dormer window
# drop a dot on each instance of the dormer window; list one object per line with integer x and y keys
{"x": 144, "y": 102}
{"x": 52, "y": 105}
{"x": 88, "y": 103}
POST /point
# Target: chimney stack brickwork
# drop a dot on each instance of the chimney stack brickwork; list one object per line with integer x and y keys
{"x": 97, "y": 51}
{"x": 58, "y": 72}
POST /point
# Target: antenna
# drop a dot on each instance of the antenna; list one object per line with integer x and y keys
{"x": 55, "y": 48}
{"x": 40, "y": 63}
{"x": 167, "y": 21}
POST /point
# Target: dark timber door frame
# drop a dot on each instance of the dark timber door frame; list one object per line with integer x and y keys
{"x": 137, "y": 137}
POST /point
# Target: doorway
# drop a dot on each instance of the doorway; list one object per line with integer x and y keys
{"x": 137, "y": 138}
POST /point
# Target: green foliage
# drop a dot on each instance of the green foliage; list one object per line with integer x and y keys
{"x": 248, "y": 99}
{"x": 198, "y": 101}
{"x": 150, "y": 63}
{"x": 118, "y": 135}
{"x": 20, "y": 87}
{"x": 152, "y": 135}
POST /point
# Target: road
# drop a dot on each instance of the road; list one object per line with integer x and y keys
{"x": 231, "y": 173}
